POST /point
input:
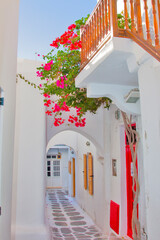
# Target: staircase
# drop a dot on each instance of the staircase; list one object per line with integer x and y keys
{"x": 138, "y": 20}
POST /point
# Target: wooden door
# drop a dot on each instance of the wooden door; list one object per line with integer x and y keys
{"x": 73, "y": 178}
{"x": 90, "y": 174}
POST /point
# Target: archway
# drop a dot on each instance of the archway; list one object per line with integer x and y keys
{"x": 71, "y": 146}
{"x": 60, "y": 168}
{"x": 93, "y": 202}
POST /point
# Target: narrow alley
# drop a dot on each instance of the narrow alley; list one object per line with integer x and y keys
{"x": 67, "y": 220}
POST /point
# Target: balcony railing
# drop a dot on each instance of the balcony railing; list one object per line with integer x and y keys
{"x": 139, "y": 21}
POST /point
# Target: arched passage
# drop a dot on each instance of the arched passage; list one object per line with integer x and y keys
{"x": 92, "y": 202}
{"x": 71, "y": 146}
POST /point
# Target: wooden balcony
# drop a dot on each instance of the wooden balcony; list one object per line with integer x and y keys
{"x": 139, "y": 21}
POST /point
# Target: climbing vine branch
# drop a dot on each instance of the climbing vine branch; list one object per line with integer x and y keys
{"x": 133, "y": 139}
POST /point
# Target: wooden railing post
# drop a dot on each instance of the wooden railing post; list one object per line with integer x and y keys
{"x": 82, "y": 39}
{"x": 158, "y": 4}
{"x": 147, "y": 21}
{"x": 106, "y": 17}
{"x": 113, "y": 20}
{"x": 126, "y": 14}
{"x": 155, "y": 23}
{"x": 103, "y": 17}
{"x": 133, "y": 29}
{"x": 109, "y": 15}
{"x": 138, "y": 17}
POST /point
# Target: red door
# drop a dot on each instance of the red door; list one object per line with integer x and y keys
{"x": 129, "y": 183}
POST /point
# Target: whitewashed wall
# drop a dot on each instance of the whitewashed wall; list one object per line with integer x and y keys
{"x": 93, "y": 205}
{"x": 149, "y": 83}
{"x": 29, "y": 174}
{"x": 9, "y": 12}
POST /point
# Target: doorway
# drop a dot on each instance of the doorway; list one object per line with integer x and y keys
{"x": 129, "y": 183}
{"x": 53, "y": 173}
{"x": 73, "y": 178}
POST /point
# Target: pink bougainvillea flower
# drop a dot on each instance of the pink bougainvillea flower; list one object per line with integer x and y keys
{"x": 48, "y": 103}
{"x": 75, "y": 35}
{"x": 71, "y": 119}
{"x": 77, "y": 124}
{"x": 48, "y": 66}
{"x": 56, "y": 108}
{"x": 38, "y": 55}
{"x": 71, "y": 27}
{"x": 40, "y": 85}
{"x": 76, "y": 45}
{"x": 76, "y": 121}
{"x": 46, "y": 95}
{"x": 39, "y": 74}
{"x": 65, "y": 107}
{"x": 55, "y": 43}
{"x": 60, "y": 83}
{"x": 58, "y": 121}
{"x": 49, "y": 113}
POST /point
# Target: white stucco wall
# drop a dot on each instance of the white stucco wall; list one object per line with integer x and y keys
{"x": 93, "y": 205}
{"x": 9, "y": 11}
{"x": 149, "y": 83}
{"x": 29, "y": 169}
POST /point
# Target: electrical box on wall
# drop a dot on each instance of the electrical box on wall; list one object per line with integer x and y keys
{"x": 1, "y": 101}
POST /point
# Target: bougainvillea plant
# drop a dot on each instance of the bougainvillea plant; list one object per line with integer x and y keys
{"x": 58, "y": 78}
{"x": 62, "y": 99}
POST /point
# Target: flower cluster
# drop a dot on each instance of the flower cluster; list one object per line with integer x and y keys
{"x": 61, "y": 82}
{"x": 46, "y": 95}
{"x": 78, "y": 122}
{"x": 49, "y": 113}
{"x": 47, "y": 103}
{"x": 58, "y": 122}
{"x": 68, "y": 39}
{"x": 47, "y": 66}
{"x": 39, "y": 74}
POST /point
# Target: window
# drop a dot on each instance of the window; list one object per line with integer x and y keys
{"x": 48, "y": 156}
{"x": 53, "y": 156}
{"x": 48, "y": 168}
{"x": 56, "y": 168}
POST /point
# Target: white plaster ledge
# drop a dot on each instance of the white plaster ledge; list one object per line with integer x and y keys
{"x": 116, "y": 93}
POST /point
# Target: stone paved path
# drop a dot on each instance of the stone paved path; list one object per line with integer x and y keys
{"x": 67, "y": 220}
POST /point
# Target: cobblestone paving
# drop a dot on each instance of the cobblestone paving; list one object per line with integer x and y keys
{"x": 68, "y": 221}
